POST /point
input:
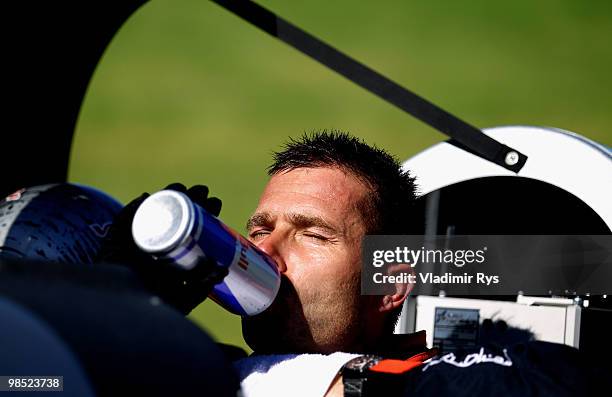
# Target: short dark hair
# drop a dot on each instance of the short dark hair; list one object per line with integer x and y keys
{"x": 389, "y": 209}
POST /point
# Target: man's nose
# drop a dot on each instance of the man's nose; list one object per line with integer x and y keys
{"x": 272, "y": 245}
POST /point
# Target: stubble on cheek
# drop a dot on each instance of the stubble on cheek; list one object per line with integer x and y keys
{"x": 332, "y": 311}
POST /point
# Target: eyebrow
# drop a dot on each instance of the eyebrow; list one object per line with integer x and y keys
{"x": 298, "y": 220}
{"x": 259, "y": 219}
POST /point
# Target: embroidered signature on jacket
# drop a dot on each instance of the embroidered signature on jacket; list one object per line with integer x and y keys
{"x": 471, "y": 359}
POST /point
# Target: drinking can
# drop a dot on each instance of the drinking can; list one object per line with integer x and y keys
{"x": 171, "y": 227}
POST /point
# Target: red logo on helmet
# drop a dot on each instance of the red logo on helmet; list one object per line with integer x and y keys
{"x": 15, "y": 196}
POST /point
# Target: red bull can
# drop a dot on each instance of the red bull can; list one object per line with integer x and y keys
{"x": 171, "y": 227}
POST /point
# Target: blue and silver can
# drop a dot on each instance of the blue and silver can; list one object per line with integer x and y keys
{"x": 171, "y": 227}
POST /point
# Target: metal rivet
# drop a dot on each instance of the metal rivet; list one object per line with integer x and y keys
{"x": 512, "y": 158}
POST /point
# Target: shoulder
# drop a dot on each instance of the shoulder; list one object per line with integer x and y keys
{"x": 289, "y": 374}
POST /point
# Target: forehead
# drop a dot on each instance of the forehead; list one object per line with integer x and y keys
{"x": 329, "y": 192}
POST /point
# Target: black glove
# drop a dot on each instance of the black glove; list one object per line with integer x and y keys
{"x": 182, "y": 289}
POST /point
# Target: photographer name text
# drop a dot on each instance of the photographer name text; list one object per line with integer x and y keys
{"x": 430, "y": 278}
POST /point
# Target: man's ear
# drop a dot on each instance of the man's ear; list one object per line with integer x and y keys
{"x": 399, "y": 292}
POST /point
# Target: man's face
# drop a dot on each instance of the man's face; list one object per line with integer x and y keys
{"x": 309, "y": 221}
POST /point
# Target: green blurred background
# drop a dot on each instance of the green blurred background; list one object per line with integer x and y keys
{"x": 189, "y": 92}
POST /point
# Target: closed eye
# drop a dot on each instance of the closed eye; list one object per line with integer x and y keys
{"x": 320, "y": 238}
{"x": 255, "y": 234}
{"x": 315, "y": 236}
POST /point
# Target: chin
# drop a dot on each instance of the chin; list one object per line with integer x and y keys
{"x": 274, "y": 334}
{"x": 263, "y": 333}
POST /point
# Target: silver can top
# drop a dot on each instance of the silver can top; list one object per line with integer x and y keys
{"x": 162, "y": 221}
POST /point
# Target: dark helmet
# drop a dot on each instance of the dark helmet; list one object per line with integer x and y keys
{"x": 57, "y": 222}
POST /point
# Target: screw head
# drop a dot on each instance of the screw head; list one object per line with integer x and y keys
{"x": 512, "y": 158}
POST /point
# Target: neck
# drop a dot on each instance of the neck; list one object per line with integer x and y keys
{"x": 398, "y": 345}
